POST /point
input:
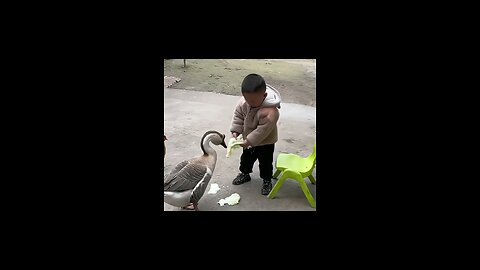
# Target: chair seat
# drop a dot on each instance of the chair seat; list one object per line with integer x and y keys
{"x": 294, "y": 162}
{"x": 297, "y": 168}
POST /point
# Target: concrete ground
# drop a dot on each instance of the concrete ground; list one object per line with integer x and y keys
{"x": 189, "y": 114}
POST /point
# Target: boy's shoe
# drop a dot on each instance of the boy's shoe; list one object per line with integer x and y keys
{"x": 266, "y": 187}
{"x": 241, "y": 178}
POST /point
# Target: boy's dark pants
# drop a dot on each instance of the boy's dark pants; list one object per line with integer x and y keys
{"x": 264, "y": 154}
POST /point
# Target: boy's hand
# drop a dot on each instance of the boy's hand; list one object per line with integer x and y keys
{"x": 234, "y": 135}
{"x": 246, "y": 144}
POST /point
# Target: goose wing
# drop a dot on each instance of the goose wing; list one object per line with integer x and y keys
{"x": 200, "y": 188}
{"x": 185, "y": 176}
{"x": 167, "y": 179}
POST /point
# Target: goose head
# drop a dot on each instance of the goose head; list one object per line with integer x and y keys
{"x": 217, "y": 138}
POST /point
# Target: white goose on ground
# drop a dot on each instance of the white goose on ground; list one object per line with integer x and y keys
{"x": 187, "y": 182}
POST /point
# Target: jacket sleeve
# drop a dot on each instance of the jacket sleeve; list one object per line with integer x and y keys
{"x": 238, "y": 118}
{"x": 267, "y": 122}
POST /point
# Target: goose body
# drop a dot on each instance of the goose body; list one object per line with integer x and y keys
{"x": 188, "y": 181}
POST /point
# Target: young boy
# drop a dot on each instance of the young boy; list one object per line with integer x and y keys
{"x": 256, "y": 117}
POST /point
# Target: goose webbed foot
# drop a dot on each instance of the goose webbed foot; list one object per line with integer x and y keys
{"x": 191, "y": 206}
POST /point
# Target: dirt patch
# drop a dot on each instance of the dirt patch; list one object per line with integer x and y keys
{"x": 294, "y": 78}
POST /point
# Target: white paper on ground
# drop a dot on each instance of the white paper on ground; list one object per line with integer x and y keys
{"x": 230, "y": 200}
{"x": 213, "y": 189}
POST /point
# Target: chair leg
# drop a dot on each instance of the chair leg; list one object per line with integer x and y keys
{"x": 305, "y": 189}
{"x": 312, "y": 180}
{"x": 276, "y": 174}
{"x": 298, "y": 177}
{"x": 277, "y": 186}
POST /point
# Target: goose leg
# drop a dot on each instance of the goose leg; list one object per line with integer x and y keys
{"x": 190, "y": 206}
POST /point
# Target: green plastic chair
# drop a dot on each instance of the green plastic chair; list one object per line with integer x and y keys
{"x": 297, "y": 168}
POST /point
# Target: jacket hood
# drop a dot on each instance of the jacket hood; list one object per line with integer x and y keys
{"x": 273, "y": 98}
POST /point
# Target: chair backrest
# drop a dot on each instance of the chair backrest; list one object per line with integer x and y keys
{"x": 313, "y": 155}
{"x": 312, "y": 159}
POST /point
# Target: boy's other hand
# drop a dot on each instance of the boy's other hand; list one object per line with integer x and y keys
{"x": 234, "y": 135}
{"x": 245, "y": 144}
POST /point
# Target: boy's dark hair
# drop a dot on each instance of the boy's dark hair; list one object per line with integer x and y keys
{"x": 253, "y": 83}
